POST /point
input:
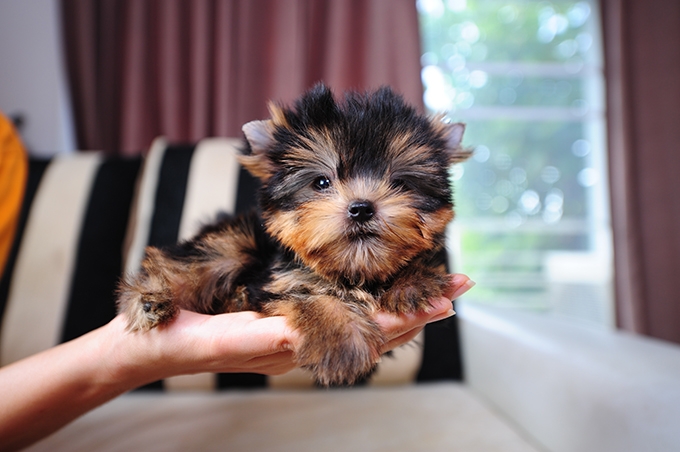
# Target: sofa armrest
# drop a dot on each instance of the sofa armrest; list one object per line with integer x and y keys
{"x": 573, "y": 387}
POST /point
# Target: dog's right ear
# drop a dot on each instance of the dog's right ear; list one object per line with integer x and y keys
{"x": 260, "y": 137}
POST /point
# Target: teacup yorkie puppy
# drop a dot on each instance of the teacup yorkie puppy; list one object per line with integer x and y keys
{"x": 354, "y": 202}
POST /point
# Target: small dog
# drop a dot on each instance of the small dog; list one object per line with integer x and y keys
{"x": 354, "y": 202}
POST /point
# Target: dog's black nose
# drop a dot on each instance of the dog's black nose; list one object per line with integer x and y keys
{"x": 361, "y": 211}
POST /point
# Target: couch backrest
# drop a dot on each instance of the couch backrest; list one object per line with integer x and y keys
{"x": 88, "y": 218}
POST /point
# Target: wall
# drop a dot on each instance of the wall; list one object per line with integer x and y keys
{"x": 32, "y": 74}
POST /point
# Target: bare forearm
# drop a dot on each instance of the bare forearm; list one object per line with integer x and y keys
{"x": 44, "y": 392}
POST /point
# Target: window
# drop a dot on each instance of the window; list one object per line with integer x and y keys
{"x": 532, "y": 223}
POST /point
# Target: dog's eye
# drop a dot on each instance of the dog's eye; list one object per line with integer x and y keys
{"x": 322, "y": 183}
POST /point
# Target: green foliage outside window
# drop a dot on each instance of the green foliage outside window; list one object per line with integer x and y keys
{"x": 526, "y": 78}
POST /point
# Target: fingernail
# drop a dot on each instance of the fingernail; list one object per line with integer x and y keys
{"x": 446, "y": 315}
{"x": 469, "y": 284}
{"x": 459, "y": 279}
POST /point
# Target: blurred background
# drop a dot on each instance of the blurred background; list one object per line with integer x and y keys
{"x": 571, "y": 107}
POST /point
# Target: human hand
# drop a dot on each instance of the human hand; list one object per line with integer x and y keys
{"x": 242, "y": 341}
{"x": 194, "y": 343}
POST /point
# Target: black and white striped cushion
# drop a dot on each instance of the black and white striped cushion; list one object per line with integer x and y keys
{"x": 66, "y": 260}
{"x": 87, "y": 217}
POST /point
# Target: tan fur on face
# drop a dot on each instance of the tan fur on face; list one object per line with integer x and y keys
{"x": 315, "y": 151}
{"x": 328, "y": 241}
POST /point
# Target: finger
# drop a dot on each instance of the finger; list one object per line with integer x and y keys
{"x": 264, "y": 369}
{"x": 267, "y": 364}
{"x": 272, "y": 364}
{"x": 401, "y": 340}
{"x": 440, "y": 308}
{"x": 282, "y": 337}
{"x": 394, "y": 325}
{"x": 458, "y": 286}
{"x": 251, "y": 335}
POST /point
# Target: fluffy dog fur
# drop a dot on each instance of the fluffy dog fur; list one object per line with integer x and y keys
{"x": 354, "y": 203}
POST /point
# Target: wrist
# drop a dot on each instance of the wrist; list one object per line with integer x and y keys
{"x": 123, "y": 358}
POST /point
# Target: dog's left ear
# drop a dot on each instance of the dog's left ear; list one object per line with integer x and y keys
{"x": 453, "y": 134}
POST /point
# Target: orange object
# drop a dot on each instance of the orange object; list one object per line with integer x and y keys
{"x": 13, "y": 173}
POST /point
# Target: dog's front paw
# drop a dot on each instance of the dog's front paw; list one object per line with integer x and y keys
{"x": 146, "y": 310}
{"x": 411, "y": 292}
{"x": 157, "y": 309}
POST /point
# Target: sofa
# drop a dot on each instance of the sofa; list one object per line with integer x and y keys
{"x": 484, "y": 380}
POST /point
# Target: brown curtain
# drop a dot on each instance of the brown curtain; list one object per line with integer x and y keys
{"x": 188, "y": 69}
{"x": 642, "y": 58}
